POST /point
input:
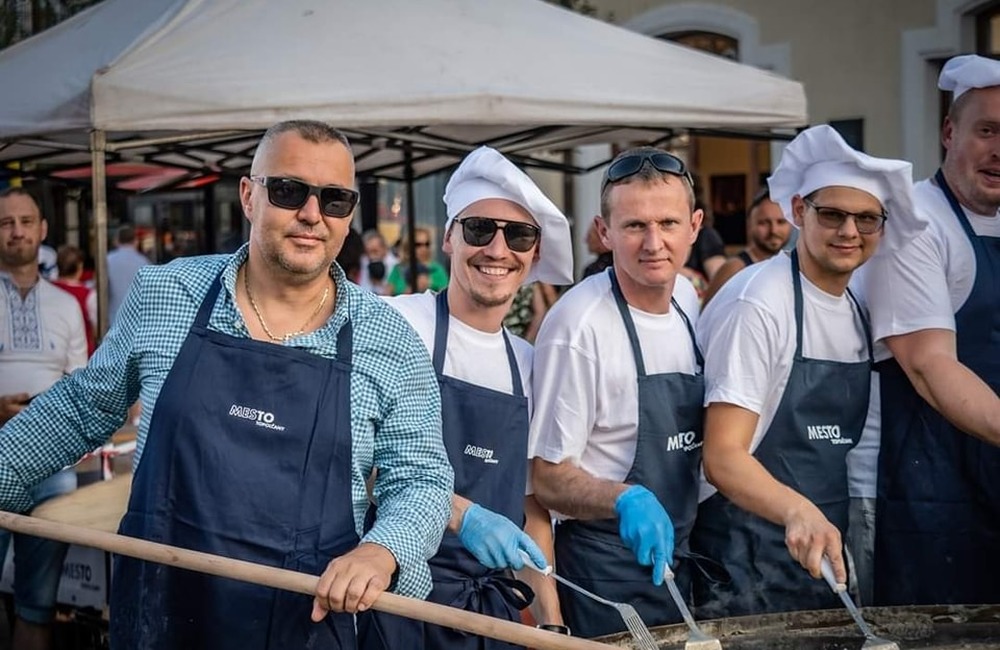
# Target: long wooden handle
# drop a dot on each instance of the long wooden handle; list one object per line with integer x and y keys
{"x": 292, "y": 581}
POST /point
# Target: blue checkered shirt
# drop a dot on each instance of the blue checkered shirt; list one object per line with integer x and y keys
{"x": 395, "y": 403}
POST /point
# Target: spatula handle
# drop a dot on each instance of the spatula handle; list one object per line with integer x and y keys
{"x": 826, "y": 568}
{"x": 278, "y": 578}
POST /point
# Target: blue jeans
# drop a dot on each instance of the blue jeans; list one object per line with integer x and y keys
{"x": 38, "y": 562}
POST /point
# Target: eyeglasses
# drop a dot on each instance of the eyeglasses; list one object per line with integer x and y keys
{"x": 422, "y": 244}
{"x": 480, "y": 231}
{"x": 867, "y": 223}
{"x": 292, "y": 194}
{"x": 632, "y": 165}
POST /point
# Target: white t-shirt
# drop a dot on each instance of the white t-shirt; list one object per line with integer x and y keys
{"x": 748, "y": 334}
{"x": 473, "y": 356}
{"x": 586, "y": 390}
{"x": 925, "y": 283}
{"x": 42, "y": 337}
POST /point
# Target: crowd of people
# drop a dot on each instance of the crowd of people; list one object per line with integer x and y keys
{"x": 834, "y": 402}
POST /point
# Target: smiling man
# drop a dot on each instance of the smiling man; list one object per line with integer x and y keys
{"x": 502, "y": 232}
{"x": 617, "y": 429}
{"x": 271, "y": 386}
{"x": 937, "y": 308}
{"x": 788, "y": 360}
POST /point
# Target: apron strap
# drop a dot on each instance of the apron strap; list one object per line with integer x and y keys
{"x": 516, "y": 593}
{"x": 956, "y": 207}
{"x": 864, "y": 325}
{"x": 208, "y": 303}
{"x": 345, "y": 343}
{"x": 694, "y": 341}
{"x": 633, "y": 336}
{"x": 441, "y": 322}
{"x": 797, "y": 289}
{"x": 797, "y": 283}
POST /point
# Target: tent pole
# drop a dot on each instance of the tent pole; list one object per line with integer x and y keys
{"x": 411, "y": 215}
{"x": 98, "y": 141}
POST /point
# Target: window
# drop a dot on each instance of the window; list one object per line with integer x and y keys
{"x": 718, "y": 44}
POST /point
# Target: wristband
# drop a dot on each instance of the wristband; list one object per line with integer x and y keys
{"x": 558, "y": 629}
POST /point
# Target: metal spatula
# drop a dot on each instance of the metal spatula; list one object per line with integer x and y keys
{"x": 697, "y": 639}
{"x": 640, "y": 633}
{"x": 872, "y": 642}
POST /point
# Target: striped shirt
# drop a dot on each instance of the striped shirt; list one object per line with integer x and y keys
{"x": 395, "y": 403}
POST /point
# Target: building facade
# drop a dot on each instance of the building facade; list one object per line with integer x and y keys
{"x": 869, "y": 68}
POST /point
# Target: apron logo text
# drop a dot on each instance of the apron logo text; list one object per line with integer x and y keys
{"x": 829, "y": 432}
{"x": 684, "y": 441}
{"x": 481, "y": 452}
{"x": 260, "y": 418}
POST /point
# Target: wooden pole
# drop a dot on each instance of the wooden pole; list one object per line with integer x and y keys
{"x": 303, "y": 583}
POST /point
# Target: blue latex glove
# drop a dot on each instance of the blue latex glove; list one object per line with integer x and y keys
{"x": 646, "y": 529}
{"x": 495, "y": 540}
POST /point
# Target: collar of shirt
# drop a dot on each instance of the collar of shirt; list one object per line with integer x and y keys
{"x": 228, "y": 318}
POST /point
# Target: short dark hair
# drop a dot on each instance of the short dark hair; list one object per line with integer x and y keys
{"x": 18, "y": 191}
{"x": 958, "y": 106}
{"x": 763, "y": 194}
{"x": 349, "y": 257}
{"x": 647, "y": 174}
{"x": 125, "y": 234}
{"x": 69, "y": 259}
{"x": 309, "y": 130}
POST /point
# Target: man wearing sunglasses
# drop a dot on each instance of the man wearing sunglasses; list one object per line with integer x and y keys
{"x": 270, "y": 386}
{"x": 502, "y": 232}
{"x": 788, "y": 373}
{"x": 616, "y": 436}
{"x": 937, "y": 308}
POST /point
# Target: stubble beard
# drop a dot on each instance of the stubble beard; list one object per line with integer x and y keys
{"x": 769, "y": 248}
{"x": 490, "y": 302}
{"x": 299, "y": 272}
{"x": 17, "y": 258}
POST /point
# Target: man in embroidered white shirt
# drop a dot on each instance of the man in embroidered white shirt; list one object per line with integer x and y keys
{"x": 42, "y": 337}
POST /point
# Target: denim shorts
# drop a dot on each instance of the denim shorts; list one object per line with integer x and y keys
{"x": 38, "y": 562}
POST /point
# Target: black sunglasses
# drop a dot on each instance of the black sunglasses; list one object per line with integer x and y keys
{"x": 292, "y": 194}
{"x": 480, "y": 231}
{"x": 630, "y": 165}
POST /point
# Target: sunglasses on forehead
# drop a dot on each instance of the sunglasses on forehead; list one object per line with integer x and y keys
{"x": 292, "y": 194}
{"x": 480, "y": 231}
{"x": 632, "y": 164}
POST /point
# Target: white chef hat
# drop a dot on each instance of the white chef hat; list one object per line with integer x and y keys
{"x": 962, "y": 73}
{"x": 818, "y": 157}
{"x": 487, "y": 174}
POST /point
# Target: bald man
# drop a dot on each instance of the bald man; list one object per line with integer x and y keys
{"x": 271, "y": 387}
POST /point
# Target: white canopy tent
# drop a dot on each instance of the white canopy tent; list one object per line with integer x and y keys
{"x": 191, "y": 83}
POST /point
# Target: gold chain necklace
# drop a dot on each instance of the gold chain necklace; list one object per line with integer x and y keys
{"x": 260, "y": 318}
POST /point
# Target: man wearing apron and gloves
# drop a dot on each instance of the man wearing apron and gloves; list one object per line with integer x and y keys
{"x": 788, "y": 360}
{"x": 936, "y": 306}
{"x": 270, "y": 388}
{"x": 618, "y": 401}
{"x": 501, "y": 233}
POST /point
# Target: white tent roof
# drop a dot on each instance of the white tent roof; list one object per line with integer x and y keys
{"x": 452, "y": 72}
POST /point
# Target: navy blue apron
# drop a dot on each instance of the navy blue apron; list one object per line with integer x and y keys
{"x": 248, "y": 456}
{"x": 667, "y": 460}
{"x": 486, "y": 435}
{"x": 745, "y": 258}
{"x": 938, "y": 510}
{"x": 819, "y": 419}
